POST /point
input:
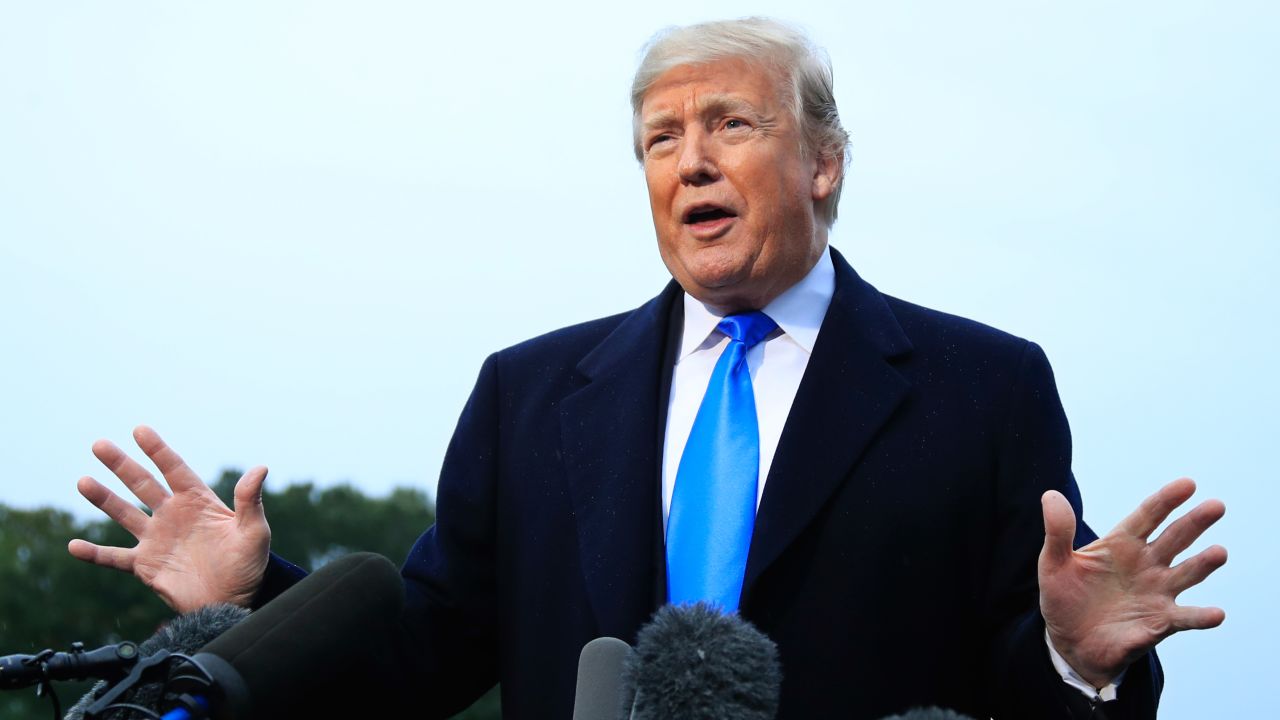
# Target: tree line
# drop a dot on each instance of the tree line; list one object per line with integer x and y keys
{"x": 49, "y": 599}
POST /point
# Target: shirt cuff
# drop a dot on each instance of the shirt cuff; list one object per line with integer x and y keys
{"x": 1106, "y": 693}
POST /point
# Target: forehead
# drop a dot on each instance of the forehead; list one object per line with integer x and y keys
{"x": 686, "y": 86}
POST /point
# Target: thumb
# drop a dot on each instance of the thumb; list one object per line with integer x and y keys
{"x": 1059, "y": 529}
{"x": 248, "y": 498}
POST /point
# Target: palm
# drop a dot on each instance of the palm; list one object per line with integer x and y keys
{"x": 192, "y": 550}
{"x": 196, "y": 551}
{"x": 1111, "y": 601}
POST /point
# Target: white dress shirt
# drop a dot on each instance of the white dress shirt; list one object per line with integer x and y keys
{"x": 777, "y": 365}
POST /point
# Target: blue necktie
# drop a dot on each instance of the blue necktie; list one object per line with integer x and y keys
{"x": 713, "y": 505}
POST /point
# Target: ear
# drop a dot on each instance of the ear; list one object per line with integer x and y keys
{"x": 826, "y": 174}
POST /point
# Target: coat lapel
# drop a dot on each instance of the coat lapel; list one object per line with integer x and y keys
{"x": 848, "y": 392}
{"x": 611, "y": 462}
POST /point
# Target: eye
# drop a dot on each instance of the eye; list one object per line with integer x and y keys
{"x": 658, "y": 140}
{"x": 734, "y": 124}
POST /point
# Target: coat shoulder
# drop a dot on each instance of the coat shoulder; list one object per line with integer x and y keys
{"x": 567, "y": 344}
{"x": 626, "y": 337}
{"x": 932, "y": 331}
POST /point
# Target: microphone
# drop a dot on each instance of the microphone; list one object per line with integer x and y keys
{"x": 184, "y": 634}
{"x": 597, "y": 695}
{"x": 695, "y": 663}
{"x": 336, "y": 628}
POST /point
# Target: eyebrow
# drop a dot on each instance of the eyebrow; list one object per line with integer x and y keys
{"x": 663, "y": 119}
{"x": 722, "y": 104}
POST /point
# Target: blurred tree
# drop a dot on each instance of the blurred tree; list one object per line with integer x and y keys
{"x": 49, "y": 599}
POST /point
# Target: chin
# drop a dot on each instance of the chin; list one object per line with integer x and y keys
{"x": 719, "y": 282}
{"x": 725, "y": 295}
{"x": 719, "y": 268}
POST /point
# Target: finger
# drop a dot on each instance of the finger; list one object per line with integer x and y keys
{"x": 129, "y": 517}
{"x": 248, "y": 498}
{"x": 141, "y": 483}
{"x": 1186, "y": 529}
{"x": 1194, "y": 570}
{"x": 1153, "y": 511}
{"x": 1059, "y": 529}
{"x": 1197, "y": 618}
{"x": 176, "y": 472}
{"x": 112, "y": 557}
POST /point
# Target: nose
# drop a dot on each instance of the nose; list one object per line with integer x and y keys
{"x": 697, "y": 164}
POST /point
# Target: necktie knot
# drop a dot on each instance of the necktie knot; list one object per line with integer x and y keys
{"x": 748, "y": 328}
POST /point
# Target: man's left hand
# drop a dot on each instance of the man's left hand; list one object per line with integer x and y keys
{"x": 1108, "y": 603}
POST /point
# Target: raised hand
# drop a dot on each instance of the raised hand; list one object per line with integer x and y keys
{"x": 192, "y": 550}
{"x": 1111, "y": 601}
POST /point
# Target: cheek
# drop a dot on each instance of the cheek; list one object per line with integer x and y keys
{"x": 783, "y": 217}
{"x": 660, "y": 198}
{"x": 790, "y": 194}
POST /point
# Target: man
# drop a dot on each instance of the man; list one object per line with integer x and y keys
{"x": 883, "y": 489}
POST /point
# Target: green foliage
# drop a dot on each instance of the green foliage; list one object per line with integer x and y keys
{"x": 49, "y": 599}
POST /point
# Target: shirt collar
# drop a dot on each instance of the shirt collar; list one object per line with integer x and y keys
{"x": 798, "y": 311}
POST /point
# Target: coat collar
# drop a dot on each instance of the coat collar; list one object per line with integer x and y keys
{"x": 610, "y": 430}
{"x": 849, "y": 390}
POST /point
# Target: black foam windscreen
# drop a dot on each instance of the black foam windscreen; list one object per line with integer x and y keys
{"x": 324, "y": 643}
{"x": 184, "y": 634}
{"x": 696, "y": 663}
{"x": 598, "y": 694}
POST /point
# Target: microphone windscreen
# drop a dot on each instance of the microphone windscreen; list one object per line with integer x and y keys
{"x": 329, "y": 636}
{"x": 696, "y": 663}
{"x": 598, "y": 694}
{"x": 184, "y": 634}
{"x": 191, "y": 631}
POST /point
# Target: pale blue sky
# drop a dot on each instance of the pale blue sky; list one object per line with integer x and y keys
{"x": 288, "y": 233}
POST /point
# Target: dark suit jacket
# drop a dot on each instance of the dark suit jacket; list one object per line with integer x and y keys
{"x": 894, "y": 553}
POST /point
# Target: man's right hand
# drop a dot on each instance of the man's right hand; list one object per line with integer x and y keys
{"x": 192, "y": 550}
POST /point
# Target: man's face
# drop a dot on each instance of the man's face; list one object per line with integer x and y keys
{"x": 731, "y": 190}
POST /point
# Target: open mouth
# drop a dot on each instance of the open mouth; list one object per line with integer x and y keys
{"x": 706, "y": 214}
